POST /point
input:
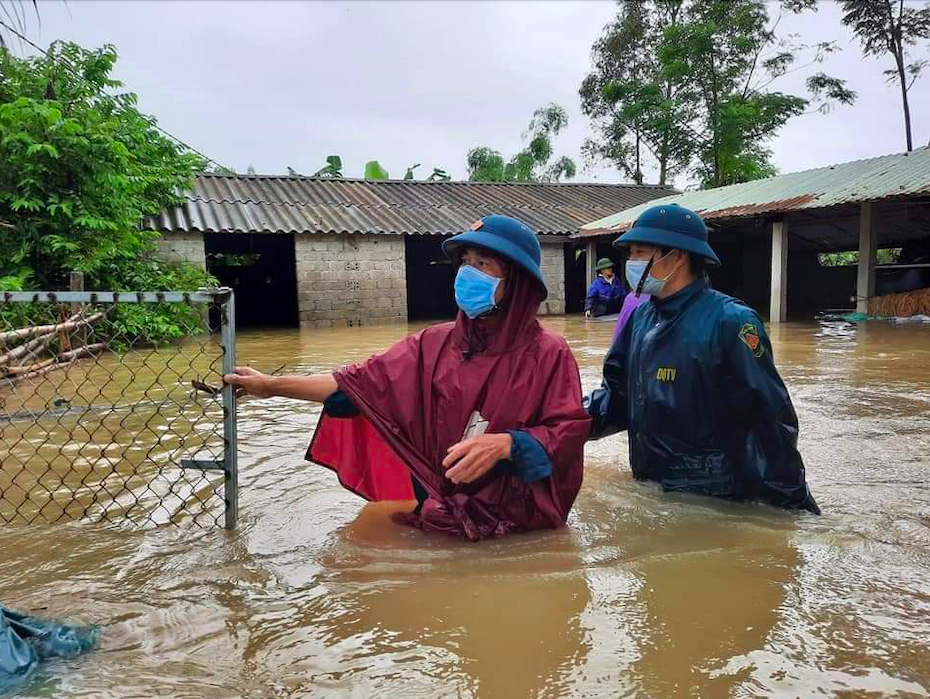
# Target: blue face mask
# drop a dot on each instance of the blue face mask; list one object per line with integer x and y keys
{"x": 474, "y": 291}
{"x": 635, "y": 269}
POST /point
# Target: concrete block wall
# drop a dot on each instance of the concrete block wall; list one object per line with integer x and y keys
{"x": 553, "y": 269}
{"x": 182, "y": 247}
{"x": 350, "y": 280}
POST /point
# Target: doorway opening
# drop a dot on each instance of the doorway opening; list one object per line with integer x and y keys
{"x": 262, "y": 271}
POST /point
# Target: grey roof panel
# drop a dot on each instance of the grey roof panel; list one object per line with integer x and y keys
{"x": 885, "y": 177}
{"x": 270, "y": 204}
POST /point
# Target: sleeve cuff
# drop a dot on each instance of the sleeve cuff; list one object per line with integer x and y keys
{"x": 528, "y": 457}
{"x": 339, "y": 405}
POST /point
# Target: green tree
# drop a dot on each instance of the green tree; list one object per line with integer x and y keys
{"x": 534, "y": 163}
{"x": 79, "y": 168}
{"x": 689, "y": 83}
{"x": 891, "y": 27}
{"x": 635, "y": 108}
{"x": 729, "y": 54}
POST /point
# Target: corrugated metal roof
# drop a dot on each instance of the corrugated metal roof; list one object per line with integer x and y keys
{"x": 889, "y": 176}
{"x": 271, "y": 204}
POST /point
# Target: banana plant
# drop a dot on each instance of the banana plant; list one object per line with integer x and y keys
{"x": 333, "y": 168}
{"x": 374, "y": 171}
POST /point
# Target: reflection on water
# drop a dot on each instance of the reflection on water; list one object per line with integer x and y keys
{"x": 644, "y": 595}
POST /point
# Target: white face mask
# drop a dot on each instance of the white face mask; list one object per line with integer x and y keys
{"x": 635, "y": 269}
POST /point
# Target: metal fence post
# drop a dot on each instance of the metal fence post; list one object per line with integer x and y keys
{"x": 230, "y": 442}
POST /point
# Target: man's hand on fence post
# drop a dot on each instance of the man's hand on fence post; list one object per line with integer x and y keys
{"x": 249, "y": 381}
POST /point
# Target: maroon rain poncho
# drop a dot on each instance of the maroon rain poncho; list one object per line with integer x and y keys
{"x": 415, "y": 401}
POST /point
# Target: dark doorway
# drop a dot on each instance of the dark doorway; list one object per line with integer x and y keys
{"x": 262, "y": 271}
{"x": 575, "y": 279}
{"x": 429, "y": 279}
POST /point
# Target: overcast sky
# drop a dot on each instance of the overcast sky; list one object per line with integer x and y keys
{"x": 277, "y": 84}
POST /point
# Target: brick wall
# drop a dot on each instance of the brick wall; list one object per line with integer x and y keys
{"x": 349, "y": 280}
{"x": 553, "y": 269}
{"x": 181, "y": 247}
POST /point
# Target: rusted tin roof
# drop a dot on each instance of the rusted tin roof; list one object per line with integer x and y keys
{"x": 271, "y": 204}
{"x": 886, "y": 177}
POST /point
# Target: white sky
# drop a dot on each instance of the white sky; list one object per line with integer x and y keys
{"x": 274, "y": 84}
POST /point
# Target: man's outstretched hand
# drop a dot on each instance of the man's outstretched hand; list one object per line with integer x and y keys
{"x": 249, "y": 382}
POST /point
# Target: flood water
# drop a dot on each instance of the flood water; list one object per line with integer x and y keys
{"x": 645, "y": 594}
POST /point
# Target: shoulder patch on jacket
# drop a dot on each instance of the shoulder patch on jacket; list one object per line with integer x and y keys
{"x": 749, "y": 336}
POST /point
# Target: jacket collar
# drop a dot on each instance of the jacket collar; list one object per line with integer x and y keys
{"x": 677, "y": 302}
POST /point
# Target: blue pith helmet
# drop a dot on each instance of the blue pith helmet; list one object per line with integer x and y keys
{"x": 670, "y": 226}
{"x": 506, "y": 236}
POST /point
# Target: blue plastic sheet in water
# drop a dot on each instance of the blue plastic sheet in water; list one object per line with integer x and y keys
{"x": 26, "y": 640}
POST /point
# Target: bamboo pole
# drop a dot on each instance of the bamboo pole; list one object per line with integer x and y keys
{"x": 50, "y": 332}
{"x": 61, "y": 361}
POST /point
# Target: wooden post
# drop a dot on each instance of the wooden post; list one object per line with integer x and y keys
{"x": 77, "y": 284}
{"x": 590, "y": 262}
{"x": 868, "y": 247}
{"x": 778, "y": 305}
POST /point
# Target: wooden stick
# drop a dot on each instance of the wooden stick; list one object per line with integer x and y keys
{"x": 84, "y": 351}
{"x": 13, "y": 380}
{"x": 77, "y": 284}
{"x": 71, "y": 323}
{"x": 52, "y": 331}
{"x": 26, "y": 333}
{"x": 18, "y": 370}
{"x": 64, "y": 336}
{"x": 27, "y": 348}
{"x": 64, "y": 357}
{"x": 61, "y": 361}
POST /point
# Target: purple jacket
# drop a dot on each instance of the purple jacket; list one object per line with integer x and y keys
{"x": 630, "y": 304}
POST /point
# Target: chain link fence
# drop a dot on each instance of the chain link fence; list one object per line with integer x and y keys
{"x": 112, "y": 407}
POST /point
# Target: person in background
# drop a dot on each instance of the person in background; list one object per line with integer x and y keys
{"x": 605, "y": 294}
{"x": 692, "y": 378}
{"x": 480, "y": 419}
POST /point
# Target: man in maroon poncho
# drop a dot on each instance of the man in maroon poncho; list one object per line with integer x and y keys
{"x": 481, "y": 419}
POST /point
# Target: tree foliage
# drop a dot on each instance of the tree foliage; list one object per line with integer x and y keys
{"x": 79, "y": 168}
{"x": 883, "y": 256}
{"x": 891, "y": 27}
{"x": 636, "y": 109}
{"x": 534, "y": 163}
{"x": 690, "y": 83}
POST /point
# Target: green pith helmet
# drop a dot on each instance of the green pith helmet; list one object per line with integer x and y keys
{"x": 670, "y": 226}
{"x": 603, "y": 263}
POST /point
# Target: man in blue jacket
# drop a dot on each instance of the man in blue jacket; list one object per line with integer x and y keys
{"x": 605, "y": 295}
{"x": 692, "y": 379}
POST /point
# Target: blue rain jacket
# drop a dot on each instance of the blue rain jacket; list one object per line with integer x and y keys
{"x": 693, "y": 381}
{"x": 604, "y": 297}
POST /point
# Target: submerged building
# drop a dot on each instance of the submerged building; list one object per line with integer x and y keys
{"x": 334, "y": 252}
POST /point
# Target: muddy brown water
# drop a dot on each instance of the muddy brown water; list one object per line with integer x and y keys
{"x": 644, "y": 594}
